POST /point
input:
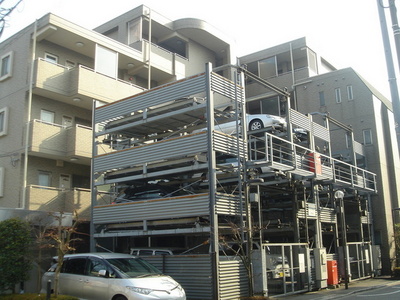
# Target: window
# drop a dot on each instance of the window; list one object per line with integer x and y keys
{"x": 74, "y": 266}
{"x": 106, "y": 61}
{"x": 349, "y": 143}
{"x": 267, "y": 67}
{"x": 338, "y": 95}
{"x": 44, "y": 178}
{"x": 367, "y": 135}
{"x": 51, "y": 58}
{"x": 3, "y": 121}
{"x": 6, "y": 66}
{"x": 47, "y": 116}
{"x": 1, "y": 181}
{"x": 322, "y": 99}
{"x": 350, "y": 95}
{"x": 95, "y": 265}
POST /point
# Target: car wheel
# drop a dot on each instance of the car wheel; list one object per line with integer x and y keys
{"x": 256, "y": 124}
{"x": 120, "y": 298}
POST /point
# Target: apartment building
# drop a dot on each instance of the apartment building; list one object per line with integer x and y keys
{"x": 52, "y": 73}
{"x": 143, "y": 99}
{"x": 365, "y": 115}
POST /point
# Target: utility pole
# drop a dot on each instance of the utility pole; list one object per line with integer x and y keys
{"x": 389, "y": 58}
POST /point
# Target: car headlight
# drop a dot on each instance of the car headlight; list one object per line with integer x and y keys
{"x": 139, "y": 290}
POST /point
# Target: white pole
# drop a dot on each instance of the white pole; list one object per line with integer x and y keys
{"x": 28, "y": 119}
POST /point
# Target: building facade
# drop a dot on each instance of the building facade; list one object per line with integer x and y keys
{"x": 53, "y": 71}
{"x": 320, "y": 90}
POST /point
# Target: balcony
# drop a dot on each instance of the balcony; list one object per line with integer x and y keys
{"x": 59, "y": 142}
{"x": 165, "y": 64}
{"x": 65, "y": 200}
{"x": 63, "y": 84}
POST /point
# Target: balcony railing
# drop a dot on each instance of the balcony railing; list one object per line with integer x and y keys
{"x": 61, "y": 142}
{"x": 63, "y": 200}
{"x": 81, "y": 80}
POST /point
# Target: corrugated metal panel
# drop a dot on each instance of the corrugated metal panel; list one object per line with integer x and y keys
{"x": 158, "y": 209}
{"x": 326, "y": 168}
{"x": 358, "y": 148}
{"x": 162, "y": 94}
{"x": 226, "y": 87}
{"x": 193, "y": 272}
{"x": 233, "y": 280}
{"x": 228, "y": 204}
{"x": 175, "y": 147}
{"x": 328, "y": 215}
{"x": 298, "y": 119}
{"x": 332, "y": 256}
{"x": 321, "y": 132}
{"x": 229, "y": 144}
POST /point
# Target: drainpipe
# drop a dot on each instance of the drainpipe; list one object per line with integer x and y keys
{"x": 93, "y": 193}
{"x": 394, "y": 93}
{"x": 28, "y": 120}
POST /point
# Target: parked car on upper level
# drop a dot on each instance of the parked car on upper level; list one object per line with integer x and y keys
{"x": 149, "y": 191}
{"x": 112, "y": 276}
{"x": 254, "y": 122}
{"x": 150, "y": 251}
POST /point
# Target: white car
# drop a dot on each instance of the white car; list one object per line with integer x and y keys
{"x": 112, "y": 276}
{"x": 254, "y": 122}
{"x": 277, "y": 266}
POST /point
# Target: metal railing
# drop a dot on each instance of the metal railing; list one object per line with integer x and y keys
{"x": 281, "y": 154}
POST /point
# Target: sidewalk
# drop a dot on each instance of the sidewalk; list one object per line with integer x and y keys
{"x": 353, "y": 287}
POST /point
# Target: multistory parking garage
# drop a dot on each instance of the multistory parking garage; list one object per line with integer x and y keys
{"x": 225, "y": 199}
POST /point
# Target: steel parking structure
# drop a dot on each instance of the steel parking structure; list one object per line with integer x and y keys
{"x": 279, "y": 194}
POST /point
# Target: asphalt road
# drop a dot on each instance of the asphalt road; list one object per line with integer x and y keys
{"x": 383, "y": 293}
{"x": 380, "y": 288}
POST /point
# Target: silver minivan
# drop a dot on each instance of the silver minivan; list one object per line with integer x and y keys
{"x": 112, "y": 276}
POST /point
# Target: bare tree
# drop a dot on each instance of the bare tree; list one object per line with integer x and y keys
{"x": 61, "y": 238}
{"x": 4, "y": 12}
{"x": 240, "y": 247}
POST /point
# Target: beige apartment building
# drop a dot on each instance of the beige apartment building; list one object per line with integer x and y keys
{"x": 52, "y": 73}
{"x": 73, "y": 102}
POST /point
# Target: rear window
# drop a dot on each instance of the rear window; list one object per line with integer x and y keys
{"x": 146, "y": 252}
{"x": 161, "y": 252}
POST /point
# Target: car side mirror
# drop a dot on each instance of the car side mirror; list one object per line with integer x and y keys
{"x": 104, "y": 273}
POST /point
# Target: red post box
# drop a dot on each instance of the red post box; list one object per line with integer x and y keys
{"x": 333, "y": 275}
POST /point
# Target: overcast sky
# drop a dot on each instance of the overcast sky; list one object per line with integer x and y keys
{"x": 346, "y": 32}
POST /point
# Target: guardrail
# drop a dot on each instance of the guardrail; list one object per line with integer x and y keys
{"x": 281, "y": 154}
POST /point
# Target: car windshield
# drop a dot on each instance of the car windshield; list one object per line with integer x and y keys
{"x": 133, "y": 267}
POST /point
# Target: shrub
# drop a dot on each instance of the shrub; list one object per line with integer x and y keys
{"x": 15, "y": 240}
